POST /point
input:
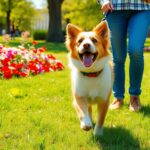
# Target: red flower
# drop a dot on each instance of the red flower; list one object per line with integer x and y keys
{"x": 23, "y": 74}
{"x": 22, "y": 63}
{"x": 54, "y": 68}
{"x": 15, "y": 72}
{"x": 46, "y": 68}
{"x": 60, "y": 66}
{"x": 32, "y": 67}
{"x": 34, "y": 50}
{"x": 1, "y": 50}
{"x": 5, "y": 62}
{"x": 7, "y": 74}
{"x": 41, "y": 49}
{"x": 44, "y": 47}
{"x": 19, "y": 66}
{"x": 34, "y": 42}
{"x": 5, "y": 68}
{"x": 51, "y": 56}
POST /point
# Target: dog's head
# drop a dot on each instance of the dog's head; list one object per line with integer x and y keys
{"x": 88, "y": 47}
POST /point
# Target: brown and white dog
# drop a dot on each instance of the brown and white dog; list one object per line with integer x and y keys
{"x": 92, "y": 79}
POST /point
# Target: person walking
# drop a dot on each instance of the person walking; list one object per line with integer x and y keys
{"x": 127, "y": 19}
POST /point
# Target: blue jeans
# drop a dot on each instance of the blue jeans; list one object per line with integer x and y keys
{"x": 135, "y": 24}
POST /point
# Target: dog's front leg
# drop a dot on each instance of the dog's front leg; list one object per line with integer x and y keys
{"x": 81, "y": 107}
{"x": 102, "y": 110}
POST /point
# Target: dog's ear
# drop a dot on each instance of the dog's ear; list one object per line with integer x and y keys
{"x": 72, "y": 31}
{"x": 102, "y": 29}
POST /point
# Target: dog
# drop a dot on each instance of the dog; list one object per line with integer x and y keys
{"x": 92, "y": 75}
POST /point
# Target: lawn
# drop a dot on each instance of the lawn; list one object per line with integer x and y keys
{"x": 36, "y": 113}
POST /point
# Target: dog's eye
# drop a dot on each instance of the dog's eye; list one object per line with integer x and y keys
{"x": 80, "y": 41}
{"x": 94, "y": 40}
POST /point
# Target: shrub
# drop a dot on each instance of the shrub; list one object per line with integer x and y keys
{"x": 40, "y": 35}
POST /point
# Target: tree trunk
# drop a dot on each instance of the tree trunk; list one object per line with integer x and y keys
{"x": 55, "y": 27}
{"x": 8, "y": 21}
{"x": 8, "y": 16}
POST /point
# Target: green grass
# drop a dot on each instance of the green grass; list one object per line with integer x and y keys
{"x": 147, "y": 43}
{"x": 36, "y": 113}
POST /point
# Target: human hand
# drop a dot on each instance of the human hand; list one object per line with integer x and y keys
{"x": 147, "y": 1}
{"x": 107, "y": 6}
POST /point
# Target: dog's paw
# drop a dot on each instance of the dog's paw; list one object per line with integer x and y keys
{"x": 86, "y": 123}
{"x": 98, "y": 131}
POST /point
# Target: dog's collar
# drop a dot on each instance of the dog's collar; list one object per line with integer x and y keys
{"x": 92, "y": 74}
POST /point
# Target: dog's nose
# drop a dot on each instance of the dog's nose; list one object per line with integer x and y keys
{"x": 86, "y": 45}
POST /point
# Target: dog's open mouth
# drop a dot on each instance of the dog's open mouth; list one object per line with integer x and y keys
{"x": 88, "y": 58}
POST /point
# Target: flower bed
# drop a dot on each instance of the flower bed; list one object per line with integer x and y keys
{"x": 21, "y": 62}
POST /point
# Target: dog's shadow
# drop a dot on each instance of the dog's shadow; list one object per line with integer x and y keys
{"x": 145, "y": 110}
{"x": 117, "y": 139}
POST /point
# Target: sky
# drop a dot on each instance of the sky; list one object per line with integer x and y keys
{"x": 39, "y": 3}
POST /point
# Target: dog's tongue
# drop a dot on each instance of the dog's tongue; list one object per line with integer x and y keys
{"x": 87, "y": 60}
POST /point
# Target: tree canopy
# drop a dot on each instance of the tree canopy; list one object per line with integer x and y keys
{"x": 17, "y": 12}
{"x": 85, "y": 13}
{"x": 20, "y": 13}
{"x": 23, "y": 15}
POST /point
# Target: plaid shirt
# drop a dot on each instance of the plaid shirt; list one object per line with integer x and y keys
{"x": 128, "y": 4}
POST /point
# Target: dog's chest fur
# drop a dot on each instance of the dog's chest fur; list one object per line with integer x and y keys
{"x": 93, "y": 88}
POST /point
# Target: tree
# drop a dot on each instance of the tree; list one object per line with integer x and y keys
{"x": 7, "y": 6}
{"x": 21, "y": 15}
{"x": 85, "y": 13}
{"x": 55, "y": 27}
{"x": 2, "y": 21}
{"x": 17, "y": 12}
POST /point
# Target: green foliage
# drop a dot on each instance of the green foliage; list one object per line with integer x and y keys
{"x": 2, "y": 23}
{"x": 21, "y": 15}
{"x": 5, "y": 10}
{"x": 84, "y": 13}
{"x": 39, "y": 34}
{"x": 147, "y": 43}
{"x": 7, "y": 5}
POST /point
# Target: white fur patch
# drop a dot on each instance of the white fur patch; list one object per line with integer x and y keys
{"x": 87, "y": 39}
{"x": 86, "y": 122}
{"x": 98, "y": 131}
{"x": 93, "y": 88}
